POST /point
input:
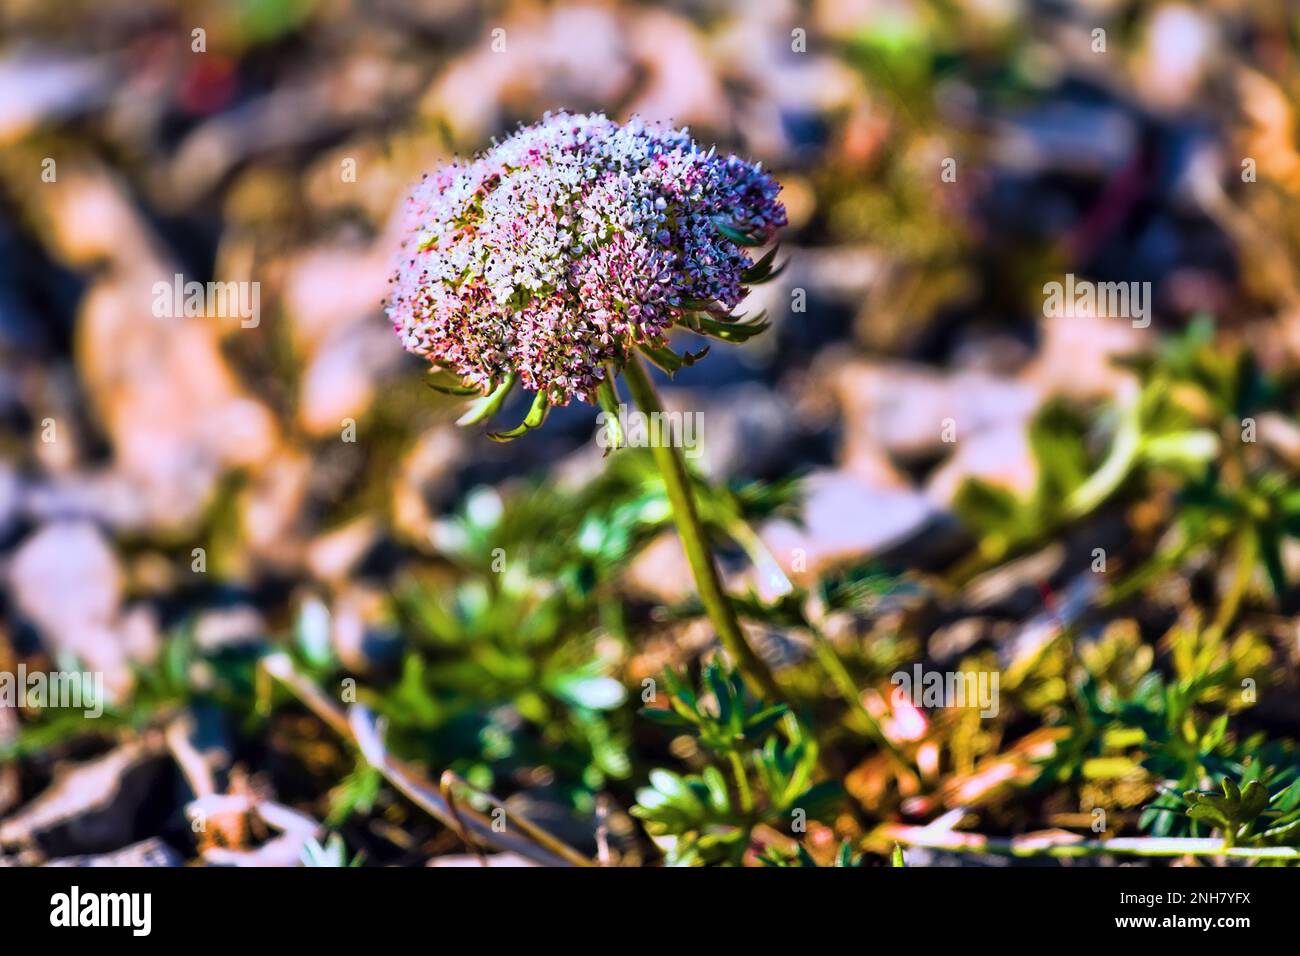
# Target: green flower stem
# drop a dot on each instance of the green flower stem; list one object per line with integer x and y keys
{"x": 719, "y": 607}
{"x": 829, "y": 658}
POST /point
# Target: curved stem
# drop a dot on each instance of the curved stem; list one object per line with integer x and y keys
{"x": 673, "y": 470}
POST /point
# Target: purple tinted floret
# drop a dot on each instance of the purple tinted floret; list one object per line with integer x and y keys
{"x": 559, "y": 249}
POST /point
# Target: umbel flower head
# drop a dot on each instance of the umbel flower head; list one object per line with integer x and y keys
{"x": 549, "y": 258}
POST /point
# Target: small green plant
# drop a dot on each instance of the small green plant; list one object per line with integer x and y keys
{"x": 757, "y": 768}
{"x": 1233, "y": 812}
{"x": 1170, "y": 731}
{"x": 1246, "y": 815}
{"x": 1241, "y": 502}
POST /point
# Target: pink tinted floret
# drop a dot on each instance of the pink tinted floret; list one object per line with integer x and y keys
{"x": 560, "y": 248}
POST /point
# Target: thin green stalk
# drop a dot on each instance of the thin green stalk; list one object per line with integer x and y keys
{"x": 766, "y": 564}
{"x": 716, "y": 603}
{"x": 839, "y": 675}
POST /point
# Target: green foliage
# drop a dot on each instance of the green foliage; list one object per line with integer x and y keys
{"x": 355, "y": 794}
{"x": 1243, "y": 499}
{"x": 1073, "y": 480}
{"x": 800, "y": 857}
{"x": 161, "y": 688}
{"x": 1174, "y": 730}
{"x": 503, "y": 669}
{"x": 863, "y": 588}
{"x": 1192, "y": 423}
{"x": 1246, "y": 815}
{"x": 732, "y": 723}
{"x": 758, "y": 769}
{"x": 1058, "y": 441}
{"x": 332, "y": 853}
{"x": 1233, "y": 812}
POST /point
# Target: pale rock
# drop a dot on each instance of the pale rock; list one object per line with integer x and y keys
{"x": 907, "y": 410}
{"x": 359, "y": 620}
{"x": 424, "y": 478}
{"x": 223, "y": 627}
{"x": 1076, "y": 357}
{"x": 332, "y": 556}
{"x": 1000, "y": 456}
{"x": 660, "y": 572}
{"x": 542, "y": 64}
{"x": 844, "y": 519}
{"x": 1178, "y": 45}
{"x": 152, "y": 852}
{"x": 328, "y": 289}
{"x": 39, "y": 86}
{"x": 681, "y": 86}
{"x": 341, "y": 380}
{"x": 68, "y": 581}
{"x": 272, "y": 509}
{"x": 174, "y": 413}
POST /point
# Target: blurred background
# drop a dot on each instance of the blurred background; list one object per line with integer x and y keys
{"x": 180, "y": 497}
